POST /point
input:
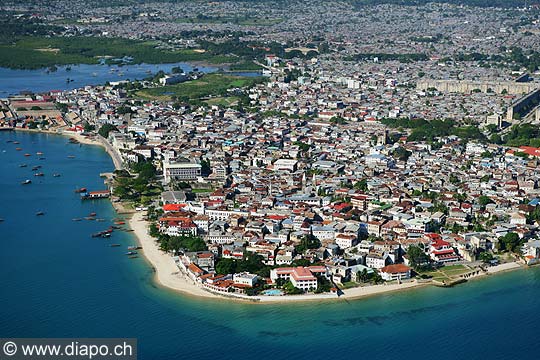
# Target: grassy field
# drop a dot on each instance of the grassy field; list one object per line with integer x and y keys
{"x": 38, "y": 52}
{"x": 208, "y": 86}
{"x": 201, "y": 191}
{"x": 447, "y": 273}
{"x": 223, "y": 101}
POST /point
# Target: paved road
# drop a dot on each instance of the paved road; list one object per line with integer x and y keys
{"x": 117, "y": 160}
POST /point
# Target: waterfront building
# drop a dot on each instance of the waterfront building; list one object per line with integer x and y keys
{"x": 395, "y": 272}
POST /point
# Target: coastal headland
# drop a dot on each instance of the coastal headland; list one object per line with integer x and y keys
{"x": 169, "y": 274}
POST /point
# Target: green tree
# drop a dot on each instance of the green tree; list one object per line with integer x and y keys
{"x": 486, "y": 257}
{"x": 105, "y": 129}
{"x": 510, "y": 242}
{"x": 363, "y": 276}
{"x": 417, "y": 257}
{"x": 226, "y": 266}
{"x": 308, "y": 242}
{"x": 484, "y": 200}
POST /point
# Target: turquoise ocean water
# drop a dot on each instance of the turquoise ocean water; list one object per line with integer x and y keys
{"x": 57, "y": 281}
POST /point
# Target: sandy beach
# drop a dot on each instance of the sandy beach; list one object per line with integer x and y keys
{"x": 503, "y": 267}
{"x": 167, "y": 273}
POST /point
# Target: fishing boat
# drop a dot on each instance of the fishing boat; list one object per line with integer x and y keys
{"x": 89, "y": 218}
{"x": 80, "y": 190}
{"x": 106, "y": 235}
{"x": 39, "y": 174}
{"x": 56, "y": 175}
{"x": 16, "y": 142}
{"x": 115, "y": 245}
{"x": 131, "y": 253}
{"x": 133, "y": 256}
{"x": 39, "y": 153}
{"x": 100, "y": 219}
{"x": 39, "y": 213}
{"x": 23, "y": 165}
{"x": 119, "y": 222}
{"x": 76, "y": 219}
{"x": 134, "y": 247}
{"x": 25, "y": 182}
{"x": 18, "y": 149}
{"x": 27, "y": 154}
{"x": 92, "y": 214}
{"x": 71, "y": 156}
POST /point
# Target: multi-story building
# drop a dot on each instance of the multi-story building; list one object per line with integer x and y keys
{"x": 183, "y": 171}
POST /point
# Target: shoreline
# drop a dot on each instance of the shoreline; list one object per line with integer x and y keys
{"x": 95, "y": 140}
{"x": 169, "y": 275}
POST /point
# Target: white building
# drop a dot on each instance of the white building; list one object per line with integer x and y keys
{"x": 245, "y": 279}
{"x": 395, "y": 272}
{"x": 181, "y": 171}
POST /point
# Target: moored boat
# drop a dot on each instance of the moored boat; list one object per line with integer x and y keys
{"x": 18, "y": 149}
{"x": 39, "y": 174}
{"x": 25, "y": 182}
{"x": 131, "y": 253}
{"x": 23, "y": 165}
{"x": 80, "y": 190}
{"x": 39, "y": 213}
{"x": 27, "y": 154}
{"x": 76, "y": 219}
{"x": 56, "y": 175}
{"x": 115, "y": 245}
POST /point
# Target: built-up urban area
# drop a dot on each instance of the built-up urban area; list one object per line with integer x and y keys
{"x": 349, "y": 159}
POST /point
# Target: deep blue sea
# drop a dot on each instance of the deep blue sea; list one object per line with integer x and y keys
{"x": 57, "y": 281}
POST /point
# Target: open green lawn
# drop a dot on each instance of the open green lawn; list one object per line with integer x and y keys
{"x": 208, "y": 85}
{"x": 33, "y": 52}
{"x": 223, "y": 101}
{"x": 447, "y": 273}
{"x": 201, "y": 191}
